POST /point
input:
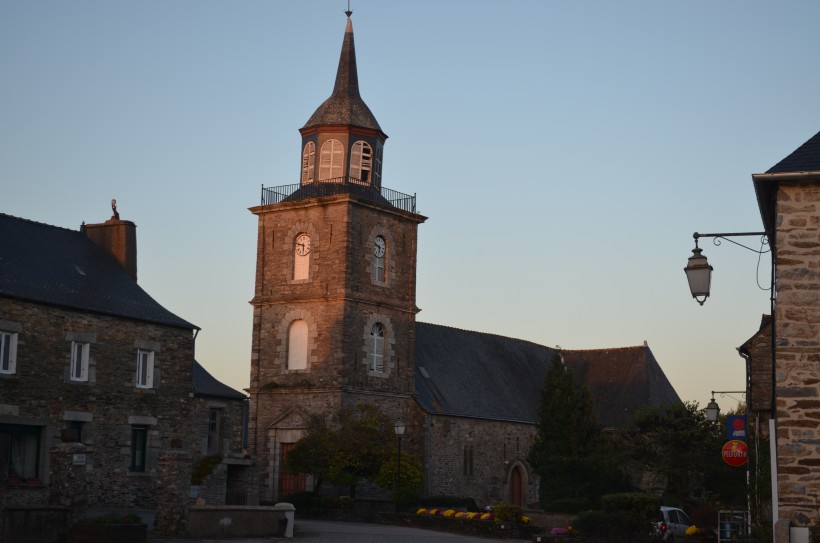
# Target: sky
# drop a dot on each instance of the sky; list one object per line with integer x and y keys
{"x": 563, "y": 151}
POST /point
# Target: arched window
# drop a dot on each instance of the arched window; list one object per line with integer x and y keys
{"x": 297, "y": 345}
{"x": 331, "y": 160}
{"x": 379, "y": 259}
{"x": 308, "y": 162}
{"x": 361, "y": 161}
{"x": 377, "y": 348}
{"x": 377, "y": 171}
{"x": 301, "y": 257}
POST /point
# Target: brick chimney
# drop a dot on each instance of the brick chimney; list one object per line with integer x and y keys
{"x": 118, "y": 237}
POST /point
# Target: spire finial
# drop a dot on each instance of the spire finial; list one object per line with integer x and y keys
{"x": 348, "y": 12}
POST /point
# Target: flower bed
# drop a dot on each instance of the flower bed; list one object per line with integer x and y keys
{"x": 477, "y": 523}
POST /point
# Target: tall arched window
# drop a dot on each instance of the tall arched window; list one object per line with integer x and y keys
{"x": 297, "y": 345}
{"x": 331, "y": 160}
{"x": 301, "y": 257}
{"x": 361, "y": 161}
{"x": 377, "y": 171}
{"x": 379, "y": 259}
{"x": 308, "y": 162}
{"x": 377, "y": 348}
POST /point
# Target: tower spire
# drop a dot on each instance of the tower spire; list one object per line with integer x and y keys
{"x": 345, "y": 105}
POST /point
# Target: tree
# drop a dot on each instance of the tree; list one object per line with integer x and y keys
{"x": 571, "y": 454}
{"x": 678, "y": 444}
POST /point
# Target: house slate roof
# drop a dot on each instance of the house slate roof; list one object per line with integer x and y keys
{"x": 805, "y": 158}
{"x": 206, "y": 384}
{"x": 345, "y": 105}
{"x": 486, "y": 376}
{"x": 801, "y": 166}
{"x": 57, "y": 266}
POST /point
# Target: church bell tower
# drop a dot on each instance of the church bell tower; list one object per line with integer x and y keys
{"x": 335, "y": 298}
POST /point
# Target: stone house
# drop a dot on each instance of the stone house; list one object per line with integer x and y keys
{"x": 219, "y": 433}
{"x": 334, "y": 326}
{"x": 788, "y": 196}
{"x": 97, "y": 380}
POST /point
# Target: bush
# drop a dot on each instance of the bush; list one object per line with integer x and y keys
{"x": 507, "y": 512}
{"x": 571, "y": 506}
{"x": 627, "y": 518}
{"x": 593, "y": 524}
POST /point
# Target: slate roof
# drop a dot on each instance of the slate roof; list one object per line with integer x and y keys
{"x": 345, "y": 105}
{"x": 805, "y": 158}
{"x": 485, "y": 376}
{"x": 57, "y": 266}
{"x": 206, "y": 384}
{"x": 801, "y": 166}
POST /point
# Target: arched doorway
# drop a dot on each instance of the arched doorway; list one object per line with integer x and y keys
{"x": 516, "y": 486}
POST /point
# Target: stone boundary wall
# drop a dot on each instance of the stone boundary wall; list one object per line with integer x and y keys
{"x": 212, "y": 522}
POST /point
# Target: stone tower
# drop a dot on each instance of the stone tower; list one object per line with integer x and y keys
{"x": 335, "y": 298}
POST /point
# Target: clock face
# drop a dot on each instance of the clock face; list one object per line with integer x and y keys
{"x": 378, "y": 248}
{"x": 303, "y": 245}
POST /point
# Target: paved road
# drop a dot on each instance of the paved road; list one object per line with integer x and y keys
{"x": 323, "y": 531}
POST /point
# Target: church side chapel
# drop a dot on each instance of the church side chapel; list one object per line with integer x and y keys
{"x": 334, "y": 326}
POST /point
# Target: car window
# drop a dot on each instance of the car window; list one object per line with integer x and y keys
{"x": 683, "y": 518}
{"x": 673, "y": 516}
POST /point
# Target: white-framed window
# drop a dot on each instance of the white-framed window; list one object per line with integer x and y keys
{"x": 8, "y": 352}
{"x": 301, "y": 257}
{"x": 377, "y": 171}
{"x": 80, "y": 352}
{"x": 377, "y": 348}
{"x": 308, "y": 162}
{"x": 145, "y": 369}
{"x": 331, "y": 160}
{"x": 297, "y": 345}
{"x": 361, "y": 161}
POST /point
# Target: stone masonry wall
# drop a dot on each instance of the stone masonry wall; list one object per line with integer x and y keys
{"x": 798, "y": 352}
{"x": 340, "y": 301}
{"x": 496, "y": 448}
{"x": 105, "y": 407}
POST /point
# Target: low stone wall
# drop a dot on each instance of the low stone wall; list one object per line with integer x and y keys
{"x": 212, "y": 522}
{"x": 34, "y": 524}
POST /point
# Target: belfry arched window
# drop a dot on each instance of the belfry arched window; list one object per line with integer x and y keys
{"x": 297, "y": 345}
{"x": 308, "y": 162}
{"x": 377, "y": 348}
{"x": 361, "y": 161}
{"x": 331, "y": 160}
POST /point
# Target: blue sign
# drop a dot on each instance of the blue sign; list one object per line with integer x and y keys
{"x": 736, "y": 426}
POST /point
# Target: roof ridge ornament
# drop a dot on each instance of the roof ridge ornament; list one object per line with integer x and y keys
{"x": 348, "y": 12}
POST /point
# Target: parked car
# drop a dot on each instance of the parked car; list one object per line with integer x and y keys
{"x": 672, "y": 524}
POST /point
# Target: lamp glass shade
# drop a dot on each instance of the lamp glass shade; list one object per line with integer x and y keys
{"x": 699, "y": 273}
{"x": 399, "y": 427}
{"x": 712, "y": 411}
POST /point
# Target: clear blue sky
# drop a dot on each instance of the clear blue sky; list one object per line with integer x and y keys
{"x": 564, "y": 152}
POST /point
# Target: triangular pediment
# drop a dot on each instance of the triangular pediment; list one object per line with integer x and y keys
{"x": 291, "y": 419}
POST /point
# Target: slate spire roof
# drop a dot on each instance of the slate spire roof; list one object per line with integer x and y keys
{"x": 345, "y": 106}
{"x": 61, "y": 267}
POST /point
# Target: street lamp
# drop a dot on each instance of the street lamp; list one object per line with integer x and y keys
{"x": 713, "y": 409}
{"x": 399, "y": 428}
{"x": 699, "y": 272}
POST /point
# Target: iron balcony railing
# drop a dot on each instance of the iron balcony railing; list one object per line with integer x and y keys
{"x": 340, "y": 185}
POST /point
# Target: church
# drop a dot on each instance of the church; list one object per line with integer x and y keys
{"x": 334, "y": 325}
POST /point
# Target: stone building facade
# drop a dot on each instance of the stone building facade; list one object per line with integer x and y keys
{"x": 789, "y": 198}
{"x": 96, "y": 379}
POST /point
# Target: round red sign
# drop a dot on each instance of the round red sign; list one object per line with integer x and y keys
{"x": 735, "y": 452}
